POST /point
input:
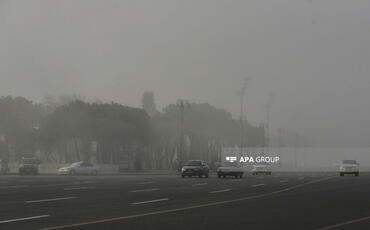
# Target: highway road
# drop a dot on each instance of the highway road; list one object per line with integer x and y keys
{"x": 143, "y": 201}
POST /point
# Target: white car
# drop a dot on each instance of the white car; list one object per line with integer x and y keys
{"x": 349, "y": 167}
{"x": 85, "y": 168}
{"x": 261, "y": 168}
{"x": 230, "y": 169}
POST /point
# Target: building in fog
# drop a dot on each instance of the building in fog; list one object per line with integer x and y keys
{"x": 149, "y": 104}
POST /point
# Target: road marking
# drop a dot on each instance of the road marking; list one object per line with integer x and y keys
{"x": 150, "y": 201}
{"x": 146, "y": 190}
{"x": 84, "y": 182}
{"x": 146, "y": 182}
{"x": 14, "y": 186}
{"x": 25, "y": 218}
{"x": 200, "y": 184}
{"x": 186, "y": 208}
{"x": 218, "y": 191}
{"x": 258, "y": 185}
{"x": 344, "y": 223}
{"x": 78, "y": 188}
{"x": 284, "y": 181}
{"x": 53, "y": 199}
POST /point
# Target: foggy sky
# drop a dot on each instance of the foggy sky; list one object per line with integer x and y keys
{"x": 313, "y": 56}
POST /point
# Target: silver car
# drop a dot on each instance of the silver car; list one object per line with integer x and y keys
{"x": 261, "y": 169}
{"x": 81, "y": 168}
{"x": 349, "y": 167}
{"x": 230, "y": 169}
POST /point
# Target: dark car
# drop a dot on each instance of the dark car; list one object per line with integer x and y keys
{"x": 3, "y": 167}
{"x": 195, "y": 168}
{"x": 29, "y": 166}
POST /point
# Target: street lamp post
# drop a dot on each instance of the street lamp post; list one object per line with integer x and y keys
{"x": 181, "y": 104}
{"x": 242, "y": 95}
{"x": 269, "y": 103}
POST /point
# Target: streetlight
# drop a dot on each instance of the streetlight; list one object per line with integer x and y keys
{"x": 241, "y": 93}
{"x": 269, "y": 103}
{"x": 181, "y": 104}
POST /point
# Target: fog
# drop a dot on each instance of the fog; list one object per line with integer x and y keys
{"x": 313, "y": 56}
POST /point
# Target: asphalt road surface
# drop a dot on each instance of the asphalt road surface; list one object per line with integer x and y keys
{"x": 279, "y": 201}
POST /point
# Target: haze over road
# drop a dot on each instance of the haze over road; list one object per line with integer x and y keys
{"x": 312, "y": 55}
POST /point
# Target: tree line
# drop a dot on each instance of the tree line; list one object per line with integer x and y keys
{"x": 111, "y": 133}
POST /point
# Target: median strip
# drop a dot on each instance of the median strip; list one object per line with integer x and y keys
{"x": 22, "y": 219}
{"x": 150, "y": 201}
{"x": 53, "y": 199}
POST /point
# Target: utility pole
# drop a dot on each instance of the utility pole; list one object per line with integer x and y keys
{"x": 269, "y": 103}
{"x": 241, "y": 93}
{"x": 181, "y": 104}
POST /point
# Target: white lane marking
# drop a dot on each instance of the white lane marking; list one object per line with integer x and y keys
{"x": 84, "y": 182}
{"x": 78, "y": 188}
{"x": 146, "y": 190}
{"x": 150, "y": 201}
{"x": 200, "y": 184}
{"x": 218, "y": 191}
{"x": 146, "y": 182}
{"x": 284, "y": 181}
{"x": 15, "y": 186}
{"x": 25, "y": 218}
{"x": 236, "y": 180}
{"x": 258, "y": 185}
{"x": 53, "y": 199}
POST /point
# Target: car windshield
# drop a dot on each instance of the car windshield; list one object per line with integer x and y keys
{"x": 193, "y": 163}
{"x": 29, "y": 161}
{"x": 349, "y": 162}
{"x": 230, "y": 164}
{"x": 75, "y": 164}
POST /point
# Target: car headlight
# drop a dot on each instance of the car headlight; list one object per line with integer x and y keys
{"x": 182, "y": 170}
